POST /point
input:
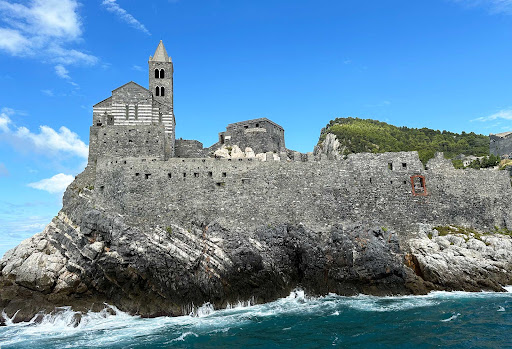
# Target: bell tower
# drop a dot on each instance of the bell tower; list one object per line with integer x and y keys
{"x": 160, "y": 76}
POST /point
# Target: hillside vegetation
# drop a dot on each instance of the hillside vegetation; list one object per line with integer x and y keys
{"x": 366, "y": 135}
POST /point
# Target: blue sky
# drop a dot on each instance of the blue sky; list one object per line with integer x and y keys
{"x": 443, "y": 64}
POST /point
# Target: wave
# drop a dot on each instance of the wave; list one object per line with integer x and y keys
{"x": 111, "y": 326}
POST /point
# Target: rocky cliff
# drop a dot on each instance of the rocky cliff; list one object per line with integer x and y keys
{"x": 88, "y": 256}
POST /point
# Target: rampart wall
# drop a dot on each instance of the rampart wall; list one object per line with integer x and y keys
{"x": 120, "y": 141}
{"x": 245, "y": 194}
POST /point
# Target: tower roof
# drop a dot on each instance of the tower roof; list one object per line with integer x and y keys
{"x": 160, "y": 54}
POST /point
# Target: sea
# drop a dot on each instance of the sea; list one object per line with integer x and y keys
{"x": 436, "y": 320}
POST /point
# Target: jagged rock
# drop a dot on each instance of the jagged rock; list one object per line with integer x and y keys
{"x": 236, "y": 152}
{"x": 249, "y": 153}
{"x": 222, "y": 153}
{"x": 471, "y": 266}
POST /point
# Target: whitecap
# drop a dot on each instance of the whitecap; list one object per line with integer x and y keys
{"x": 501, "y": 309}
{"x": 453, "y": 317}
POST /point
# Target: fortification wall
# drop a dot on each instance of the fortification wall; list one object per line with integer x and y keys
{"x": 188, "y": 148}
{"x": 500, "y": 145}
{"x": 245, "y": 194}
{"x": 121, "y": 141}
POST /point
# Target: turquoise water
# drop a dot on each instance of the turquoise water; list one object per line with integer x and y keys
{"x": 438, "y": 320}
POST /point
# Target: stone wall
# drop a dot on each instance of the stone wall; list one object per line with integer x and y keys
{"x": 188, "y": 148}
{"x": 262, "y": 135}
{"x": 245, "y": 193}
{"x": 119, "y": 142}
{"x": 500, "y": 145}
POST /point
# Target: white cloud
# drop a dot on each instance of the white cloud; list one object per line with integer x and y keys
{"x": 505, "y": 114}
{"x": 49, "y": 93}
{"x": 47, "y": 140}
{"x": 137, "y": 68}
{"x": 113, "y": 6}
{"x": 494, "y": 6}
{"x": 4, "y": 172}
{"x": 54, "y": 185}
{"x": 42, "y": 29}
{"x": 4, "y": 122}
{"x": 62, "y": 72}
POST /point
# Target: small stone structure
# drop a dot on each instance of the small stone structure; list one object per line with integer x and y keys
{"x": 501, "y": 144}
{"x": 262, "y": 135}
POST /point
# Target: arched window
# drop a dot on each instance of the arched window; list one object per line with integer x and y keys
{"x": 157, "y": 91}
{"x": 157, "y": 74}
{"x": 162, "y": 74}
{"x": 163, "y": 91}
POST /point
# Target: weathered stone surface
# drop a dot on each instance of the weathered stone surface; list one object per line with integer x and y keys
{"x": 472, "y": 266}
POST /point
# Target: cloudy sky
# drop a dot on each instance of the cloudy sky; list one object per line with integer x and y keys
{"x": 444, "y": 64}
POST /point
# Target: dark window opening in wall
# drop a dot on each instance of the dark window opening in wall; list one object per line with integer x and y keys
{"x": 136, "y": 111}
{"x": 405, "y": 182}
{"x": 224, "y": 174}
{"x": 246, "y": 180}
{"x": 229, "y": 159}
{"x": 130, "y": 141}
{"x": 127, "y": 111}
{"x": 257, "y": 125}
{"x": 240, "y": 159}
{"x": 221, "y": 139}
{"x": 147, "y": 175}
{"x": 203, "y": 160}
{"x": 182, "y": 160}
{"x": 162, "y": 91}
{"x": 125, "y": 162}
{"x": 102, "y": 188}
{"x": 196, "y": 174}
{"x": 220, "y": 184}
{"x": 390, "y": 166}
{"x": 419, "y": 187}
{"x": 157, "y": 91}
{"x": 160, "y": 117}
{"x": 104, "y": 134}
{"x": 404, "y": 165}
{"x": 370, "y": 180}
{"x": 245, "y": 126}
{"x": 210, "y": 174}
{"x": 157, "y": 75}
{"x": 184, "y": 174}
{"x": 137, "y": 174}
{"x": 169, "y": 175}
{"x": 162, "y": 74}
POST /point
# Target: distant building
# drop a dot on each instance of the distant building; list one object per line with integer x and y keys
{"x": 501, "y": 144}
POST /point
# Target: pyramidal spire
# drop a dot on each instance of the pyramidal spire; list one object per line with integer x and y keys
{"x": 160, "y": 54}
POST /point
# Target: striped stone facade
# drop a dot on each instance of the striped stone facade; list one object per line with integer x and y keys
{"x": 133, "y": 104}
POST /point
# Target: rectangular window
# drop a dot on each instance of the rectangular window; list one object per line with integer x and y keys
{"x": 224, "y": 174}
{"x": 147, "y": 175}
{"x": 127, "y": 112}
{"x": 196, "y": 174}
{"x": 404, "y": 165}
{"x": 136, "y": 111}
{"x": 210, "y": 174}
{"x": 390, "y": 166}
{"x": 169, "y": 175}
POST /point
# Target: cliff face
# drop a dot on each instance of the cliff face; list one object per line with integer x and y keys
{"x": 105, "y": 246}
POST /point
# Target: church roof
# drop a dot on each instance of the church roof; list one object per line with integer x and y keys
{"x": 160, "y": 54}
{"x": 131, "y": 83}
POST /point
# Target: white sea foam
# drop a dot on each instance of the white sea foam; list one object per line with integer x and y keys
{"x": 101, "y": 329}
{"x": 453, "y": 317}
{"x": 501, "y": 309}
